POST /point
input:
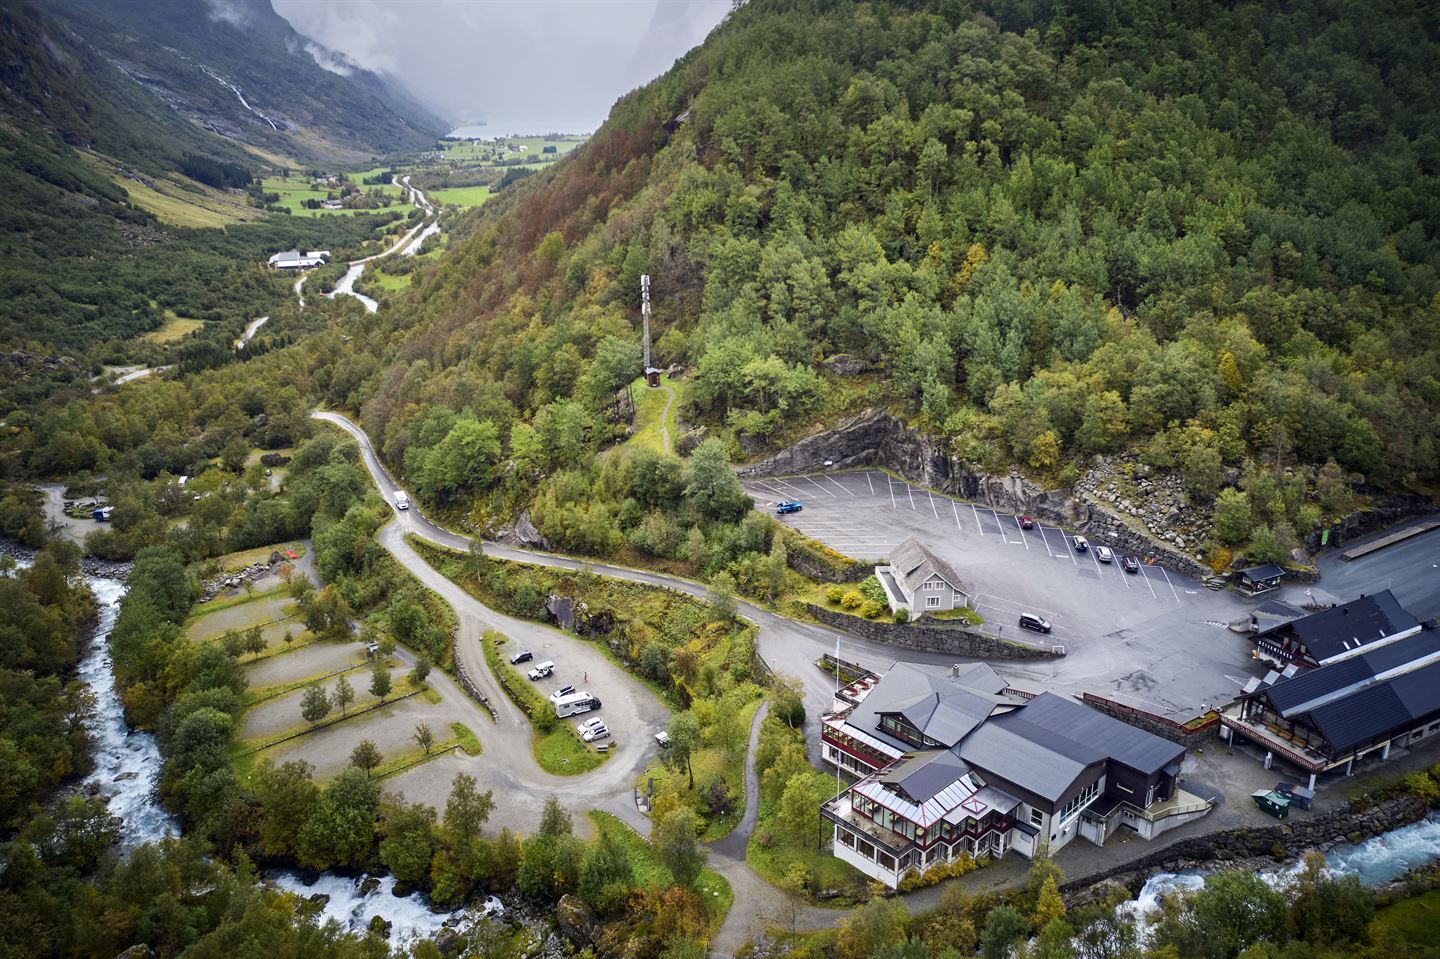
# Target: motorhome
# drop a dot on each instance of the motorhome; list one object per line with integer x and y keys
{"x": 575, "y": 703}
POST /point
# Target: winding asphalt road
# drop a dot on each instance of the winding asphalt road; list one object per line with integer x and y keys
{"x": 519, "y": 783}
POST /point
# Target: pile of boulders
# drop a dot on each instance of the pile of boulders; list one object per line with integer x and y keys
{"x": 1124, "y": 485}
{"x": 234, "y": 580}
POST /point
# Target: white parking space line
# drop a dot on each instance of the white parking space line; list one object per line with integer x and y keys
{"x": 1096, "y": 560}
{"x": 954, "y": 508}
{"x": 871, "y": 482}
{"x": 1168, "y": 583}
{"x": 837, "y": 483}
{"x": 910, "y": 491}
{"x": 933, "y": 508}
{"x": 1044, "y": 539}
{"x": 1069, "y": 546}
{"x": 1009, "y": 605}
{"x": 977, "y": 519}
{"x": 817, "y": 486}
{"x": 1146, "y": 578}
{"x": 1023, "y": 538}
{"x": 891, "y": 487}
{"x": 797, "y": 492}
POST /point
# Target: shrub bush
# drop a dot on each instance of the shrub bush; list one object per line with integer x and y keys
{"x": 871, "y": 589}
{"x": 1420, "y": 784}
{"x": 902, "y": 615}
{"x": 852, "y": 600}
{"x": 834, "y": 594}
{"x": 870, "y": 609}
{"x": 940, "y": 872}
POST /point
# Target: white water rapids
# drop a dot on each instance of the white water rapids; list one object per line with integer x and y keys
{"x": 127, "y": 763}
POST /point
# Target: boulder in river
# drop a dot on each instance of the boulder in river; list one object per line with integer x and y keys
{"x": 576, "y": 921}
{"x": 368, "y": 887}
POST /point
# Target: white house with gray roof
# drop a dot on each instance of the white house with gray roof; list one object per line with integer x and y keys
{"x": 963, "y": 765}
{"x": 918, "y": 581}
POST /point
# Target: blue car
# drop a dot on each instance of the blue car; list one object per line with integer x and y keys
{"x": 789, "y": 506}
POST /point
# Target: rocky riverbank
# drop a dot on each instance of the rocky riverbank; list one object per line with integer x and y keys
{"x": 1254, "y": 848}
{"x": 89, "y": 565}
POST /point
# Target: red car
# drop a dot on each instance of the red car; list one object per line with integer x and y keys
{"x": 1027, "y": 523}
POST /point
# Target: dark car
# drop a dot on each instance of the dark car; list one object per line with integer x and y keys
{"x": 1027, "y": 523}
{"x": 1130, "y": 564}
{"x": 1038, "y": 623}
{"x": 524, "y": 656}
{"x": 789, "y": 506}
{"x": 1081, "y": 544}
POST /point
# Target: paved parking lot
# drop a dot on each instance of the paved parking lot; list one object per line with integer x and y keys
{"x": 1155, "y": 639}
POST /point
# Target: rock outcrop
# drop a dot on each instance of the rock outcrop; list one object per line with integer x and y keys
{"x": 575, "y": 920}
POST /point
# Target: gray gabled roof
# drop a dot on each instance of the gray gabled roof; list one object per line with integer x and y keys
{"x": 1047, "y": 744}
{"x": 916, "y": 564}
{"x": 910, "y": 686}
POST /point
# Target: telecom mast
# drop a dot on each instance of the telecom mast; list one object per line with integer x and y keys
{"x": 652, "y": 375}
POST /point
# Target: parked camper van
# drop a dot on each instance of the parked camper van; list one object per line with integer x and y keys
{"x": 402, "y": 500}
{"x": 575, "y": 704}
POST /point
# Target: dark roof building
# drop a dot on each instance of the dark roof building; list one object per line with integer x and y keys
{"x": 1341, "y": 632}
{"x": 1259, "y": 579}
{"x": 1366, "y": 697}
{"x": 961, "y": 764}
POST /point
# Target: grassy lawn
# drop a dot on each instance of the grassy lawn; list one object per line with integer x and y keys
{"x": 231, "y": 562}
{"x": 649, "y": 404}
{"x": 964, "y": 615}
{"x": 173, "y": 329}
{"x": 294, "y": 191}
{"x": 772, "y": 852}
{"x": 651, "y": 873}
{"x": 388, "y": 283}
{"x": 464, "y": 196}
{"x": 559, "y": 750}
{"x": 1414, "y": 922}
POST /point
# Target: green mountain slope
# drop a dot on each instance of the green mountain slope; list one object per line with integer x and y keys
{"x": 83, "y": 269}
{"x": 239, "y": 69}
{"x": 1048, "y": 231}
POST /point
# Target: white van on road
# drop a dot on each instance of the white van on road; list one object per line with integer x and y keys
{"x": 402, "y": 499}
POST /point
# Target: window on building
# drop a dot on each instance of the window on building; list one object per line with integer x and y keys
{"x": 932, "y": 601}
{"x": 1073, "y": 806}
{"x": 1037, "y": 818}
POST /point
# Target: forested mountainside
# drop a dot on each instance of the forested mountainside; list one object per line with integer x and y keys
{"x": 239, "y": 69}
{"x": 1204, "y": 234}
{"x": 84, "y": 268}
{"x": 1047, "y": 231}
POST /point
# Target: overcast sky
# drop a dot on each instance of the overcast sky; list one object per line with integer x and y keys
{"x": 522, "y": 66}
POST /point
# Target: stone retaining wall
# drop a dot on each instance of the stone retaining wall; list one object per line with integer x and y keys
{"x": 876, "y": 439}
{"x": 1237, "y": 848}
{"x": 931, "y": 637}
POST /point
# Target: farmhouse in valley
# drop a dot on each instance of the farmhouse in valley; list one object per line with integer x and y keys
{"x": 918, "y": 581}
{"x": 962, "y": 765}
{"x": 295, "y": 260}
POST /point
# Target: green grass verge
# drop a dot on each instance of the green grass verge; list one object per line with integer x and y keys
{"x": 231, "y": 562}
{"x": 467, "y": 739}
{"x": 773, "y": 853}
{"x": 649, "y": 405}
{"x": 1414, "y": 922}
{"x": 651, "y": 873}
{"x": 216, "y": 605}
{"x": 558, "y": 749}
{"x": 255, "y": 696}
{"x": 463, "y": 196}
